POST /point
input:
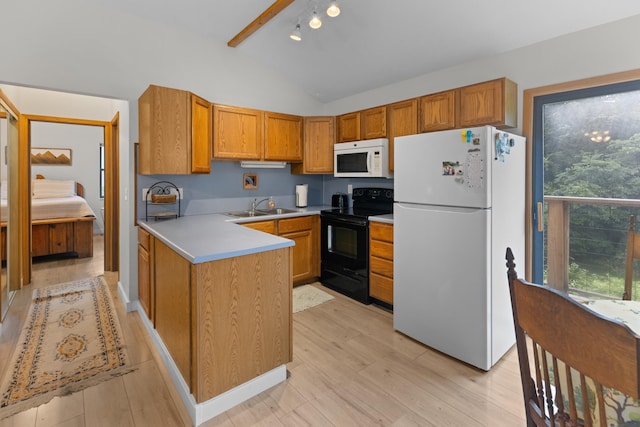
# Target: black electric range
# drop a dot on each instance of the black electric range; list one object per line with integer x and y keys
{"x": 345, "y": 241}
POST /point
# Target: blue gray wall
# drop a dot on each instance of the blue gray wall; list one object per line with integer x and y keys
{"x": 222, "y": 190}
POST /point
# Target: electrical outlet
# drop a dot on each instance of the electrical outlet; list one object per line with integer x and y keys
{"x": 349, "y": 188}
{"x": 179, "y": 193}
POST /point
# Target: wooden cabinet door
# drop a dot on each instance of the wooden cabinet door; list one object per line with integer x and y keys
{"x": 318, "y": 141}
{"x": 164, "y": 131}
{"x": 302, "y": 254}
{"x": 144, "y": 280}
{"x": 173, "y": 305}
{"x": 264, "y": 226}
{"x": 374, "y": 123}
{"x": 201, "y": 135}
{"x": 237, "y": 133}
{"x": 438, "y": 111}
{"x": 381, "y": 262}
{"x": 348, "y": 127}
{"x": 381, "y": 288}
{"x": 282, "y": 137}
{"x": 305, "y": 231}
{"x": 489, "y": 103}
{"x": 402, "y": 120}
{"x": 145, "y": 272}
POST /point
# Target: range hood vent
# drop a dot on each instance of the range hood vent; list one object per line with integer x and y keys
{"x": 250, "y": 164}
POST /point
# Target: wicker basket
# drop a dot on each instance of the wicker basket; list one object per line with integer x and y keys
{"x": 163, "y": 198}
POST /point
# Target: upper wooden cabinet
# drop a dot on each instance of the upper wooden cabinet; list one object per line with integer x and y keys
{"x": 403, "y": 120}
{"x": 282, "y": 137}
{"x": 238, "y": 133}
{"x": 373, "y": 123}
{"x": 247, "y": 134}
{"x": 348, "y": 127}
{"x": 175, "y": 132}
{"x": 318, "y": 141}
{"x": 489, "y": 103}
{"x": 437, "y": 111}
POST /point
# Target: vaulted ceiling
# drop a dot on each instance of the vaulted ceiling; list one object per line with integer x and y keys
{"x": 373, "y": 43}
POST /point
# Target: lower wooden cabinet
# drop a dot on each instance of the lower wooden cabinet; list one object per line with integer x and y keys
{"x": 381, "y": 261}
{"x": 264, "y": 226}
{"x": 305, "y": 231}
{"x": 208, "y": 314}
{"x": 145, "y": 272}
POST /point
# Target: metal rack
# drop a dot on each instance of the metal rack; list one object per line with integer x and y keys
{"x": 161, "y": 191}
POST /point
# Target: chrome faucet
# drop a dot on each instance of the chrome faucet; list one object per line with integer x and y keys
{"x": 255, "y": 203}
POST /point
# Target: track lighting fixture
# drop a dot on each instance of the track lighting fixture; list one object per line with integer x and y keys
{"x": 315, "y": 21}
{"x": 333, "y": 10}
{"x": 295, "y": 34}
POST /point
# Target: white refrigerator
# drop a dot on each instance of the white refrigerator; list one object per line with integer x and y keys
{"x": 459, "y": 202}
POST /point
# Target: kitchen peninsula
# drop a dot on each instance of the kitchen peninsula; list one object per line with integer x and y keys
{"x": 219, "y": 308}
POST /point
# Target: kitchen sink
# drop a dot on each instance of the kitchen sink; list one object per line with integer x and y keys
{"x": 276, "y": 211}
{"x": 246, "y": 214}
{"x": 260, "y": 212}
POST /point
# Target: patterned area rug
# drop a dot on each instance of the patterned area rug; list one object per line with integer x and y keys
{"x": 71, "y": 340}
{"x": 308, "y": 296}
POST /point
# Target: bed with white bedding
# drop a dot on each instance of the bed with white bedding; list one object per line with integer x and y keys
{"x": 61, "y": 219}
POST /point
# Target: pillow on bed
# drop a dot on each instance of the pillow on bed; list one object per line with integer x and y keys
{"x": 53, "y": 188}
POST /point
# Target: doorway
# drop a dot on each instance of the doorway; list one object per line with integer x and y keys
{"x": 585, "y": 155}
{"x": 107, "y": 131}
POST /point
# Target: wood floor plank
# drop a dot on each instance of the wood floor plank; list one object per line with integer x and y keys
{"x": 350, "y": 367}
{"x": 160, "y": 410}
{"x": 117, "y": 413}
{"x": 60, "y": 409}
{"x": 23, "y": 419}
{"x": 305, "y": 415}
{"x": 282, "y": 399}
{"x": 253, "y": 412}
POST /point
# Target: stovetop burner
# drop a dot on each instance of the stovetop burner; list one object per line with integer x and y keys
{"x": 366, "y": 202}
{"x": 355, "y": 212}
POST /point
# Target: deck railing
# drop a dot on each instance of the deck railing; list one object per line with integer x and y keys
{"x": 558, "y": 223}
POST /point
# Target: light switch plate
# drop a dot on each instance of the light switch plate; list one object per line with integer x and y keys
{"x": 349, "y": 188}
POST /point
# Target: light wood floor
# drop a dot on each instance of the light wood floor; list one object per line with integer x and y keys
{"x": 350, "y": 368}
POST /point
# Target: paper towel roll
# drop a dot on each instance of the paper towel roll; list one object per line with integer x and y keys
{"x": 301, "y": 195}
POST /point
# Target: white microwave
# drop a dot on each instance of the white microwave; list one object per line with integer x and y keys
{"x": 362, "y": 159}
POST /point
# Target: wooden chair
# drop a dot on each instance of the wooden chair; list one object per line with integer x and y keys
{"x": 633, "y": 252}
{"x": 567, "y": 351}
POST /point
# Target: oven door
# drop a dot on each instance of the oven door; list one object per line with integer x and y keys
{"x": 345, "y": 256}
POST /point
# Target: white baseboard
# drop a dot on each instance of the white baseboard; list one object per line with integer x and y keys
{"x": 201, "y": 412}
{"x": 128, "y": 304}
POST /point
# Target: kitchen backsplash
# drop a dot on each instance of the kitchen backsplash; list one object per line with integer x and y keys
{"x": 222, "y": 190}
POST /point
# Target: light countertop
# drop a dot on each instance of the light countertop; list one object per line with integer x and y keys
{"x": 210, "y": 237}
{"x": 388, "y": 218}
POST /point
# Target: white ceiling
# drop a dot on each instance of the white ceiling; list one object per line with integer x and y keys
{"x": 373, "y": 43}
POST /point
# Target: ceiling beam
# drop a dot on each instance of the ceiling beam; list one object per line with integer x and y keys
{"x": 277, "y": 7}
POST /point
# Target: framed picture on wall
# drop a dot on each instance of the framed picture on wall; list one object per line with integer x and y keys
{"x": 250, "y": 181}
{"x": 51, "y": 156}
